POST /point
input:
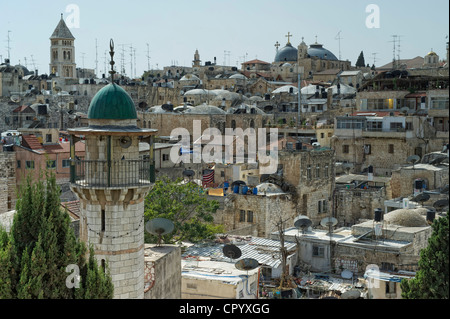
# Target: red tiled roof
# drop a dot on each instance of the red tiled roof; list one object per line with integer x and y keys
{"x": 31, "y": 142}
{"x": 22, "y": 108}
{"x": 64, "y": 148}
{"x": 256, "y": 61}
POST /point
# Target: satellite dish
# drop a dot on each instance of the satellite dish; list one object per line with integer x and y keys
{"x": 328, "y": 221}
{"x": 422, "y": 197}
{"x": 404, "y": 110}
{"x": 61, "y": 104}
{"x": 316, "y": 144}
{"x": 413, "y": 159}
{"x": 232, "y": 251}
{"x": 159, "y": 227}
{"x": 440, "y": 204}
{"x": 15, "y": 98}
{"x": 125, "y": 141}
{"x": 57, "y": 89}
{"x": 444, "y": 190}
{"x": 247, "y": 264}
{"x": 346, "y": 274}
{"x": 302, "y": 222}
{"x": 347, "y": 167}
{"x": 188, "y": 173}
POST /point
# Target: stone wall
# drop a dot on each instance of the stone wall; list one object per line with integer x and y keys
{"x": 8, "y": 196}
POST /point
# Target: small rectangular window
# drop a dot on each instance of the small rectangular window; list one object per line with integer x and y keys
{"x": 318, "y": 251}
{"x": 242, "y": 216}
{"x": 345, "y": 149}
{"x": 391, "y": 149}
{"x": 29, "y": 164}
{"x": 249, "y": 216}
{"x": 18, "y": 164}
{"x": 103, "y": 218}
{"x": 51, "y": 164}
{"x": 65, "y": 163}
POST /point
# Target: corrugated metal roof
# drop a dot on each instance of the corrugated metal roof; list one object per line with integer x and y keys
{"x": 265, "y": 251}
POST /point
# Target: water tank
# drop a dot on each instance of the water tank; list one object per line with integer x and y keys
{"x": 244, "y": 190}
{"x": 236, "y": 189}
{"x": 378, "y": 214}
{"x": 226, "y": 185}
{"x": 255, "y": 191}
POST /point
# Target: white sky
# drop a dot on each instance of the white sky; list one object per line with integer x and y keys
{"x": 230, "y": 30}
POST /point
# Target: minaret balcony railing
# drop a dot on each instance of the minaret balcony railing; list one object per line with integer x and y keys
{"x": 115, "y": 173}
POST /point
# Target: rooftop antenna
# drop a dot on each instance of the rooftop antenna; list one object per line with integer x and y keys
{"x": 111, "y": 53}
{"x": 9, "y": 47}
{"x": 338, "y": 37}
{"x": 398, "y": 50}
{"x": 131, "y": 60}
{"x": 394, "y": 41}
{"x": 148, "y": 57}
{"x": 82, "y": 58}
{"x": 225, "y": 55}
{"x": 374, "y": 58}
{"x": 32, "y": 62}
{"x": 96, "y": 58}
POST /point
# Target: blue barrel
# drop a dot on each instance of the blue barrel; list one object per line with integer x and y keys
{"x": 244, "y": 190}
{"x": 255, "y": 191}
{"x": 226, "y": 185}
{"x": 236, "y": 189}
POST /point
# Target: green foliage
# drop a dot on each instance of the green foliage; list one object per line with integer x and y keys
{"x": 360, "y": 62}
{"x": 34, "y": 256}
{"x": 432, "y": 278}
{"x": 187, "y": 206}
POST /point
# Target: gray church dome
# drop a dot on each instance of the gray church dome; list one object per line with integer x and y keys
{"x": 288, "y": 53}
{"x": 317, "y": 50}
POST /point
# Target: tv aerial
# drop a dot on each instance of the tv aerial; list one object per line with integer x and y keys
{"x": 232, "y": 251}
{"x": 302, "y": 222}
{"x": 159, "y": 227}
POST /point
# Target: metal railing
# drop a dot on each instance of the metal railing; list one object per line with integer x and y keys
{"x": 117, "y": 173}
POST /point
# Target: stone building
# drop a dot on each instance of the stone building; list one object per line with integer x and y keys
{"x": 9, "y": 79}
{"x": 357, "y": 196}
{"x": 62, "y": 52}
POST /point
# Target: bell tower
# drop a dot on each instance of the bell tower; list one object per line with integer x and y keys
{"x": 62, "y": 52}
{"x": 111, "y": 183}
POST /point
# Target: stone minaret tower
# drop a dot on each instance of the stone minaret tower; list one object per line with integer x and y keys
{"x": 62, "y": 52}
{"x": 111, "y": 183}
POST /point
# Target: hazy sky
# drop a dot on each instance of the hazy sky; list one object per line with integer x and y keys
{"x": 230, "y": 30}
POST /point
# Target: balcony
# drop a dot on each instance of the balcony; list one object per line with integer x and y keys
{"x": 114, "y": 174}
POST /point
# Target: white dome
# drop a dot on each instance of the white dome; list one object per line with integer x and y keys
{"x": 269, "y": 189}
{"x": 199, "y": 92}
{"x": 238, "y": 76}
{"x": 190, "y": 77}
{"x": 157, "y": 109}
{"x": 285, "y": 88}
{"x": 205, "y": 109}
{"x": 345, "y": 89}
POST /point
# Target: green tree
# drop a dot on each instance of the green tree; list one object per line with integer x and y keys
{"x": 41, "y": 244}
{"x": 432, "y": 279}
{"x": 187, "y": 206}
{"x": 360, "y": 62}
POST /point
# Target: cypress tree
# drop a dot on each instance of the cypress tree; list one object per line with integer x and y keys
{"x": 360, "y": 62}
{"x": 432, "y": 278}
{"x": 34, "y": 256}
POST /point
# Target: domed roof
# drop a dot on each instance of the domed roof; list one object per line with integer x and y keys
{"x": 205, "y": 109}
{"x": 285, "y": 88}
{"x": 288, "y": 53}
{"x": 190, "y": 77}
{"x": 112, "y": 102}
{"x": 317, "y": 50}
{"x": 238, "y": 76}
{"x": 198, "y": 92}
{"x": 406, "y": 218}
{"x": 431, "y": 53}
{"x": 269, "y": 189}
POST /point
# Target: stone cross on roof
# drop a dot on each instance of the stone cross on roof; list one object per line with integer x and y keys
{"x": 288, "y": 36}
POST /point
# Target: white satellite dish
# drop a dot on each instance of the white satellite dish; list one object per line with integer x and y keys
{"x": 346, "y": 274}
{"x": 328, "y": 221}
{"x": 15, "y": 98}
